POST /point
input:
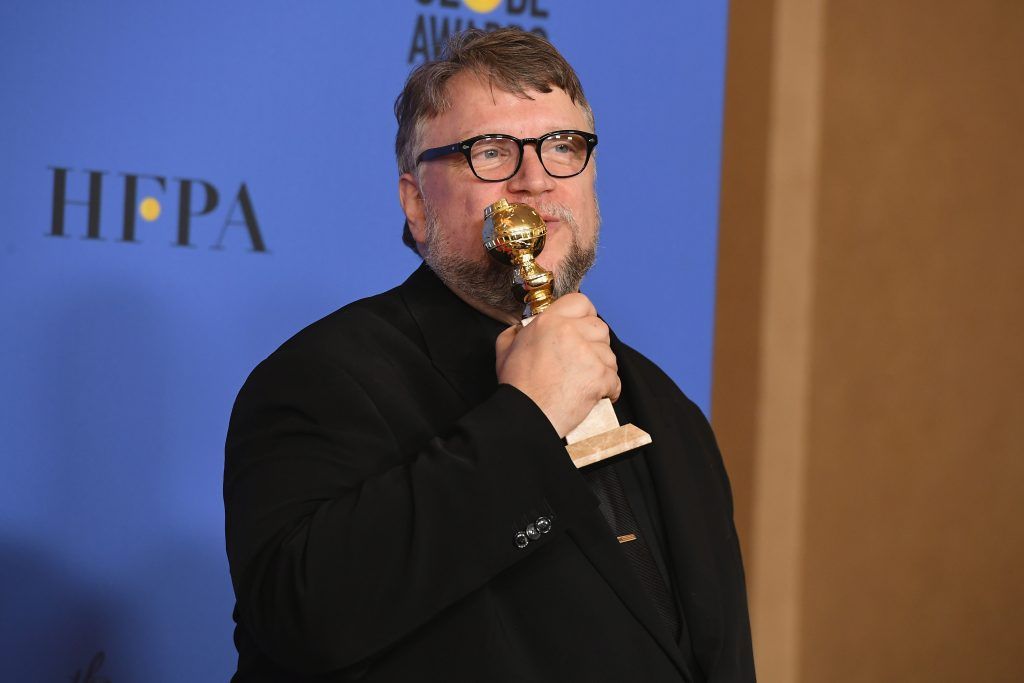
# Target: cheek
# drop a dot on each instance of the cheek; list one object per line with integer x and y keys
{"x": 584, "y": 208}
{"x": 483, "y": 196}
{"x": 461, "y": 216}
{"x": 473, "y": 205}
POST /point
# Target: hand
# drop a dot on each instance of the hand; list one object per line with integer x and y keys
{"x": 562, "y": 360}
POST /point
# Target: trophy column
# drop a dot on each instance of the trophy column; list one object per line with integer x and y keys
{"x": 514, "y": 234}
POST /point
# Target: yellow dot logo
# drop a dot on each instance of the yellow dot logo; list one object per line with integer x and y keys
{"x": 482, "y": 6}
{"x": 149, "y": 209}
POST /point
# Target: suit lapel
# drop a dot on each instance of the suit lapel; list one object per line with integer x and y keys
{"x": 453, "y": 333}
{"x": 456, "y": 335}
{"x": 601, "y": 548}
{"x": 679, "y": 473}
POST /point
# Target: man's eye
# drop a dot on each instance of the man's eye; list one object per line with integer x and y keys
{"x": 490, "y": 154}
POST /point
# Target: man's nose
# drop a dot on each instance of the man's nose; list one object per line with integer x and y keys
{"x": 531, "y": 178}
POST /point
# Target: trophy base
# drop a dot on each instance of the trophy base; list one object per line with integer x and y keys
{"x": 600, "y": 437}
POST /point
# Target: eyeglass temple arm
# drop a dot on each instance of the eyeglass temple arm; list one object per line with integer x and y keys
{"x": 430, "y": 154}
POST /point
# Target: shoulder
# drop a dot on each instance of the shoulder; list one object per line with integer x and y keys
{"x": 347, "y": 347}
{"x": 352, "y": 333}
{"x": 640, "y": 374}
{"x": 640, "y": 368}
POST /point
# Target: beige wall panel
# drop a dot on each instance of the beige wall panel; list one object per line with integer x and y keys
{"x": 909, "y": 553}
{"x": 740, "y": 250}
{"x": 773, "y": 162}
{"x": 915, "y": 482}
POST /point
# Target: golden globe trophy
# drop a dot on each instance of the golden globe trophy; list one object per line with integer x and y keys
{"x": 514, "y": 234}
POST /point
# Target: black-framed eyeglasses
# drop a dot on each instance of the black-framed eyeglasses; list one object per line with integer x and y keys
{"x": 495, "y": 157}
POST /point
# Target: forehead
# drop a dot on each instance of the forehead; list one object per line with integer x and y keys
{"x": 477, "y": 106}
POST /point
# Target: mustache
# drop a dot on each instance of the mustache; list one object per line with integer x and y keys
{"x": 559, "y": 211}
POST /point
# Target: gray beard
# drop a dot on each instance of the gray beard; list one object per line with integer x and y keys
{"x": 490, "y": 282}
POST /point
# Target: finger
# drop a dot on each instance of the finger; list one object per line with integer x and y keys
{"x": 605, "y": 355}
{"x": 616, "y": 387}
{"x": 574, "y": 305}
{"x": 504, "y": 342}
{"x": 507, "y": 336}
{"x": 593, "y": 329}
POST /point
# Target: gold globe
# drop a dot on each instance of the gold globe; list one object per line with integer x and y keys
{"x": 511, "y": 230}
{"x": 514, "y": 234}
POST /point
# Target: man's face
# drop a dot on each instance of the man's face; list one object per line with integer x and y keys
{"x": 444, "y": 201}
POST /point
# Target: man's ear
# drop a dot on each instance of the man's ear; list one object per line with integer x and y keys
{"x": 412, "y": 204}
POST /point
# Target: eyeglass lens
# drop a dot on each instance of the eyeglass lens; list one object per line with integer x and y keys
{"x": 496, "y": 158}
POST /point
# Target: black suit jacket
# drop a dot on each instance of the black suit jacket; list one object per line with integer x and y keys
{"x": 376, "y": 475}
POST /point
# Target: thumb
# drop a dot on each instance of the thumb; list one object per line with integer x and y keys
{"x": 502, "y": 345}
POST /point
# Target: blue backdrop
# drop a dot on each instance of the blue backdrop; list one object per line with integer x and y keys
{"x": 184, "y": 185}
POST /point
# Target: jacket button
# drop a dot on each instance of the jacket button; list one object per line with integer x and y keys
{"x": 543, "y": 525}
{"x": 521, "y": 540}
{"x": 532, "y": 532}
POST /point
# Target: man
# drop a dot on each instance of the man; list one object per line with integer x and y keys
{"x": 400, "y": 505}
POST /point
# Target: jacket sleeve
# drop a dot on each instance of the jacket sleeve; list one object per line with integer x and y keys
{"x": 339, "y": 546}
